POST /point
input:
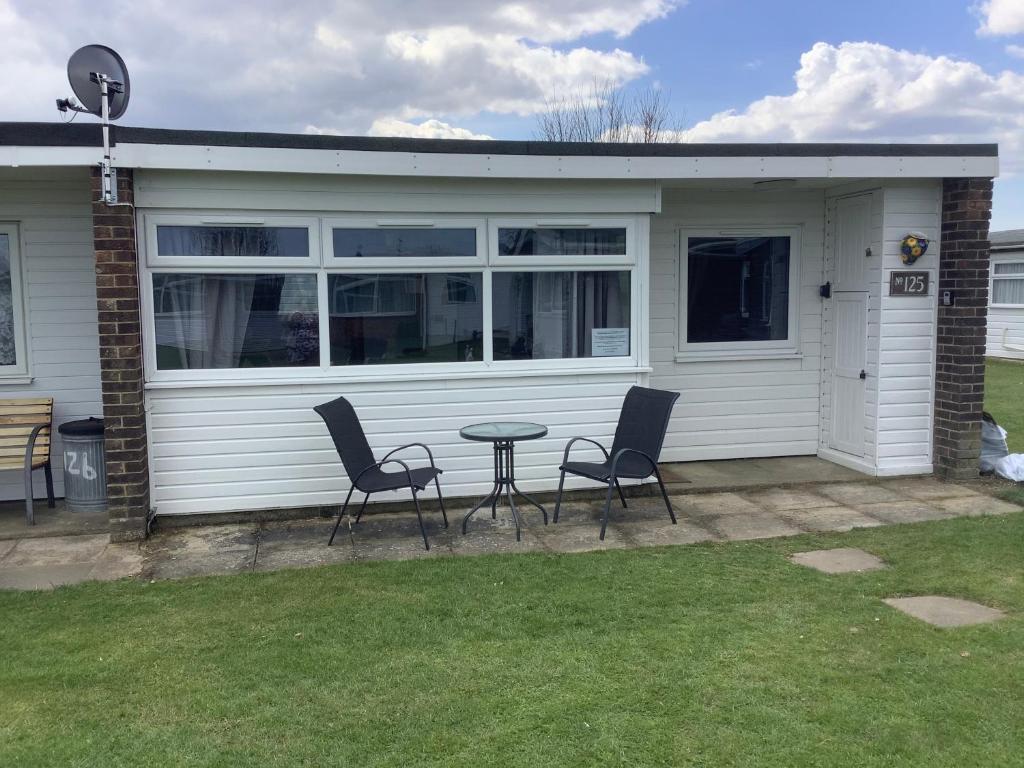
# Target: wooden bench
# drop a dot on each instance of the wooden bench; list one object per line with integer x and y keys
{"x": 25, "y": 427}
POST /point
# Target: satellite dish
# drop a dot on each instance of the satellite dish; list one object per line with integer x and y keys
{"x": 85, "y": 65}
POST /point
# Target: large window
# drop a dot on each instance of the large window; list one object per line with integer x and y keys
{"x": 738, "y": 292}
{"x": 359, "y": 294}
{"x": 1008, "y": 283}
{"x": 12, "y": 355}
{"x": 552, "y": 315}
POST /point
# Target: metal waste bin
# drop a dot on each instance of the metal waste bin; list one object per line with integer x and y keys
{"x": 85, "y": 472}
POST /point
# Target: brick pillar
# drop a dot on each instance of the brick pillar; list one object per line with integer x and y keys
{"x": 960, "y": 361}
{"x": 121, "y": 373}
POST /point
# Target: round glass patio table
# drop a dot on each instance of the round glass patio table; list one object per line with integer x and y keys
{"x": 503, "y": 435}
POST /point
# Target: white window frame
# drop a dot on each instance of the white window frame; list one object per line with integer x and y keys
{"x": 628, "y": 258}
{"x": 266, "y": 264}
{"x": 993, "y": 277}
{"x": 388, "y": 263}
{"x": 718, "y": 350}
{"x": 323, "y": 264}
{"x": 19, "y": 372}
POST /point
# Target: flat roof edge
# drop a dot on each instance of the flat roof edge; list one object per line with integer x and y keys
{"x": 88, "y": 135}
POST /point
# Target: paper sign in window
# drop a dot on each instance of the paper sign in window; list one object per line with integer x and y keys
{"x": 609, "y": 342}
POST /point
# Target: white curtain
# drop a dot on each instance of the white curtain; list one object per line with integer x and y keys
{"x": 211, "y": 319}
{"x": 1008, "y": 291}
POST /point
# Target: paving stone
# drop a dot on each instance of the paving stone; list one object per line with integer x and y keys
{"x": 207, "y": 549}
{"x": 858, "y": 493}
{"x": 841, "y": 560}
{"x": 945, "y": 611}
{"x": 779, "y": 499}
{"x": 759, "y": 525}
{"x": 44, "y": 576}
{"x": 117, "y": 561}
{"x": 975, "y": 506}
{"x": 906, "y": 511}
{"x": 698, "y": 504}
{"x": 686, "y": 531}
{"x": 6, "y": 545}
{"x": 927, "y": 488}
{"x": 57, "y": 550}
{"x": 829, "y": 519}
{"x": 581, "y": 538}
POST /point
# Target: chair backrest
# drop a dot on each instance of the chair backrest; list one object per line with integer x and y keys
{"x": 18, "y": 417}
{"x": 643, "y": 421}
{"x": 348, "y": 435}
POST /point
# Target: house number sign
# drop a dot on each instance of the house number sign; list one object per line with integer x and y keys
{"x": 906, "y": 283}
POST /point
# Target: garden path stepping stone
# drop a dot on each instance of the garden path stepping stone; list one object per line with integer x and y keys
{"x": 945, "y": 611}
{"x": 844, "y": 560}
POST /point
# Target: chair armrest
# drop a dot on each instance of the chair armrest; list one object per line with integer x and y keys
{"x": 414, "y": 445}
{"x": 565, "y": 456}
{"x": 379, "y": 464}
{"x": 31, "y": 445}
{"x": 618, "y": 455}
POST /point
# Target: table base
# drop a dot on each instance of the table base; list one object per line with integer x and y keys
{"x": 504, "y": 480}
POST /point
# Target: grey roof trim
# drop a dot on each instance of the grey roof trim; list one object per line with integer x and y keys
{"x": 1007, "y": 238}
{"x": 88, "y": 134}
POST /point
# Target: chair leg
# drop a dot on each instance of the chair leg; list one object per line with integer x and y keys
{"x": 419, "y": 516}
{"x": 50, "y": 501}
{"x": 558, "y": 498}
{"x": 29, "y": 513}
{"x": 440, "y": 498}
{"x": 622, "y": 498}
{"x": 607, "y": 506}
{"x": 362, "y": 508}
{"x": 341, "y": 514}
{"x": 664, "y": 495}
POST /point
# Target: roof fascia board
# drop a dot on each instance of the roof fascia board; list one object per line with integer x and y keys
{"x": 278, "y": 160}
{"x": 21, "y": 156}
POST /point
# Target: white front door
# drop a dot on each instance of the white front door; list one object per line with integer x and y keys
{"x": 852, "y": 261}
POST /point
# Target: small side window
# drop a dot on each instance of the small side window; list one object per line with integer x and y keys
{"x": 12, "y": 346}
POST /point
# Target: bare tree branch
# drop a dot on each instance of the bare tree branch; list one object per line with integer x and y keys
{"x": 608, "y": 113}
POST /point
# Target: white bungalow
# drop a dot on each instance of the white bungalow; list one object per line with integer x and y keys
{"x": 1006, "y": 296}
{"x": 441, "y": 283}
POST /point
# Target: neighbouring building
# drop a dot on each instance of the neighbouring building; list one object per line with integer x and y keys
{"x": 1006, "y": 296}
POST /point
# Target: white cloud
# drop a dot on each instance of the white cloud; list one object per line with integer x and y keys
{"x": 870, "y": 92}
{"x": 1001, "y": 17}
{"x": 285, "y": 64}
{"x": 1017, "y": 51}
{"x": 428, "y": 129}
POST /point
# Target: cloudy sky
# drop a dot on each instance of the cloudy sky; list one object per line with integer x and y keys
{"x": 734, "y": 70}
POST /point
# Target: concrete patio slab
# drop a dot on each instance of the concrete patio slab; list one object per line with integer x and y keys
{"x": 829, "y": 519}
{"x": 49, "y": 522}
{"x": 976, "y": 506}
{"x": 662, "y": 534}
{"x": 858, "y": 493}
{"x": 34, "y": 577}
{"x": 117, "y": 561}
{"x": 302, "y": 544}
{"x": 211, "y": 549}
{"x": 841, "y": 560}
{"x": 928, "y": 488}
{"x": 906, "y": 511}
{"x": 57, "y": 550}
{"x": 945, "y": 612}
{"x": 581, "y": 538}
{"x": 697, "y": 505}
{"x": 758, "y": 525}
{"x": 779, "y": 499}
{"x": 6, "y": 546}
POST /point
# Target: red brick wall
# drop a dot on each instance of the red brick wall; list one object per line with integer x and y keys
{"x": 121, "y": 374}
{"x": 960, "y": 361}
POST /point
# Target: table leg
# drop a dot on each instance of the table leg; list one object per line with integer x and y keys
{"x": 504, "y": 480}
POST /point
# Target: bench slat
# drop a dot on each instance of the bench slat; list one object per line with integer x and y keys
{"x": 18, "y": 418}
{"x": 26, "y": 401}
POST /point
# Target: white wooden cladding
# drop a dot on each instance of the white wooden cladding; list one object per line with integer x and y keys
{"x": 54, "y": 215}
{"x": 1005, "y": 333}
{"x": 750, "y": 406}
{"x": 259, "y": 447}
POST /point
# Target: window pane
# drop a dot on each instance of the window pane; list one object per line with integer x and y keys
{"x": 1008, "y": 268}
{"x": 235, "y": 321}
{"x": 8, "y": 347}
{"x": 562, "y": 242}
{"x": 232, "y": 241}
{"x": 737, "y": 289}
{"x": 546, "y": 315}
{"x": 380, "y": 319}
{"x": 1008, "y": 291}
{"x": 370, "y": 243}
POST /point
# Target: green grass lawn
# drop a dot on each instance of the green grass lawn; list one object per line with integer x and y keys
{"x": 1004, "y": 399}
{"x": 707, "y": 655}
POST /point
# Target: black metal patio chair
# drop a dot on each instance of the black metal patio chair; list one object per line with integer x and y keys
{"x": 365, "y": 472}
{"x": 636, "y": 448}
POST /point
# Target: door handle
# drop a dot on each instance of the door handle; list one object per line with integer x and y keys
{"x": 863, "y": 374}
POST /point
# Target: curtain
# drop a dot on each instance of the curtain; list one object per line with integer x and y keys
{"x": 8, "y": 349}
{"x": 1008, "y": 291}
{"x": 210, "y": 320}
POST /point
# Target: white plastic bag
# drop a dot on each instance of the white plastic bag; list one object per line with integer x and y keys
{"x": 1011, "y": 467}
{"x": 993, "y": 443}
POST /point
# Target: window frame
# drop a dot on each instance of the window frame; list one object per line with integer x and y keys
{"x": 993, "y": 277}
{"x": 384, "y": 263}
{"x": 322, "y": 263}
{"x": 21, "y": 370}
{"x": 717, "y": 350}
{"x": 255, "y": 264}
